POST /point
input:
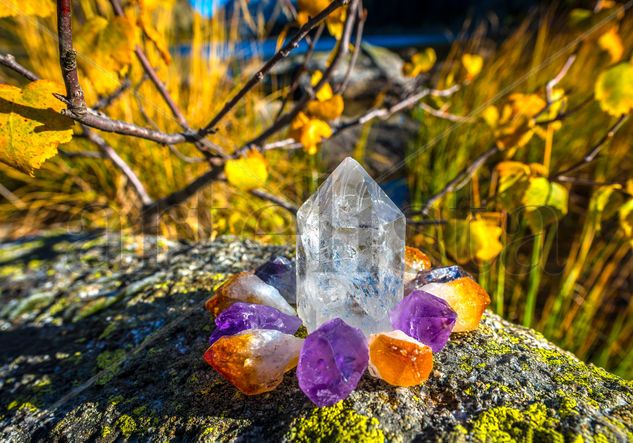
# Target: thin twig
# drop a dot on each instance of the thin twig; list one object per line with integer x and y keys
{"x": 443, "y": 114}
{"x": 461, "y": 178}
{"x": 362, "y": 17}
{"x": 282, "y": 122}
{"x": 111, "y": 154}
{"x": 281, "y": 54}
{"x": 595, "y": 149}
{"x": 549, "y": 88}
{"x": 301, "y": 70}
{"x": 106, "y": 101}
{"x": 80, "y": 154}
{"x": 8, "y": 60}
{"x": 274, "y": 199}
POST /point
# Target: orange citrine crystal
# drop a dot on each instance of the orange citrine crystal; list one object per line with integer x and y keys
{"x": 255, "y": 360}
{"x": 466, "y": 297}
{"x": 414, "y": 262}
{"x": 399, "y": 359}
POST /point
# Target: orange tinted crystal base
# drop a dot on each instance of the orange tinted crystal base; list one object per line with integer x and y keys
{"x": 466, "y": 297}
{"x": 399, "y": 360}
{"x": 414, "y": 262}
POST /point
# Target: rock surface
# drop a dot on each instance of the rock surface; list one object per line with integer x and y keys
{"x": 99, "y": 343}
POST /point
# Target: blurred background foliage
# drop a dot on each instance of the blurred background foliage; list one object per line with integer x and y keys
{"x": 554, "y": 254}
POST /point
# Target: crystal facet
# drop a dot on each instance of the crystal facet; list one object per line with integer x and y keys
{"x": 331, "y": 362}
{"x": 414, "y": 262}
{"x": 246, "y": 287}
{"x": 443, "y": 274}
{"x": 241, "y": 316}
{"x": 398, "y": 359}
{"x": 254, "y": 361}
{"x": 280, "y": 273}
{"x": 425, "y": 317}
{"x": 350, "y": 252}
{"x": 466, "y": 298}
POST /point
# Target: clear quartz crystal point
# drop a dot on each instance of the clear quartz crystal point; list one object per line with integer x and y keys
{"x": 350, "y": 252}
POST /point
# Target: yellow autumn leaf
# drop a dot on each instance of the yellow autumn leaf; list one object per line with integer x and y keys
{"x": 478, "y": 239}
{"x": 325, "y": 93}
{"x": 310, "y": 132}
{"x": 544, "y": 202}
{"x": 105, "y": 48}
{"x": 420, "y": 63}
{"x": 491, "y": 116}
{"x": 247, "y": 172}
{"x": 626, "y": 219}
{"x": 614, "y": 89}
{"x": 39, "y": 8}
{"x": 473, "y": 64}
{"x": 515, "y": 126}
{"x": 329, "y": 109}
{"x": 611, "y": 42}
{"x": 311, "y": 8}
{"x": 31, "y": 126}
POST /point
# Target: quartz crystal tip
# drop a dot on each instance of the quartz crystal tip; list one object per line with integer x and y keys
{"x": 350, "y": 252}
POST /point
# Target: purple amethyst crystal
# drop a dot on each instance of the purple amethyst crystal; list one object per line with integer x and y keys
{"x": 425, "y": 317}
{"x": 436, "y": 275}
{"x": 281, "y": 274}
{"x": 241, "y": 316}
{"x": 331, "y": 362}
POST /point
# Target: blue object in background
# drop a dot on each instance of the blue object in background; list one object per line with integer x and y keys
{"x": 207, "y": 8}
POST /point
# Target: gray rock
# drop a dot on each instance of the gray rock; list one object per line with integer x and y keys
{"x": 113, "y": 352}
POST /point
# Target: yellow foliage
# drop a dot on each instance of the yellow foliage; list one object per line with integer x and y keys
{"x": 31, "y": 126}
{"x": 611, "y": 42}
{"x": 477, "y": 239}
{"x": 614, "y": 89}
{"x": 329, "y": 109}
{"x": 473, "y": 64}
{"x": 247, "y": 172}
{"x": 626, "y": 219}
{"x": 311, "y": 8}
{"x": 325, "y": 92}
{"x": 39, "y": 8}
{"x": 515, "y": 126}
{"x": 105, "y": 48}
{"x": 310, "y": 132}
{"x": 420, "y": 63}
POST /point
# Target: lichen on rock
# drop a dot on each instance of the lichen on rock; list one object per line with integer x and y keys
{"x": 132, "y": 369}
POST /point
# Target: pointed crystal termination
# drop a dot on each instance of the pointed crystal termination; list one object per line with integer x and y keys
{"x": 350, "y": 252}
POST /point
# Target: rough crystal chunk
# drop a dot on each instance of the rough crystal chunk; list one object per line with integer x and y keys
{"x": 350, "y": 252}
{"x": 414, "y": 262}
{"x": 246, "y": 287}
{"x": 254, "y": 361}
{"x": 280, "y": 273}
{"x": 425, "y": 317}
{"x": 332, "y": 361}
{"x": 442, "y": 274}
{"x": 241, "y": 316}
{"x": 466, "y": 298}
{"x": 398, "y": 359}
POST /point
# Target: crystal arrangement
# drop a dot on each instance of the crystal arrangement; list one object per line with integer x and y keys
{"x": 367, "y": 301}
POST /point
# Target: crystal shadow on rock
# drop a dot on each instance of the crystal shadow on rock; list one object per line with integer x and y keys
{"x": 350, "y": 252}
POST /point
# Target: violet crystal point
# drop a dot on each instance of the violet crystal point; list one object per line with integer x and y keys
{"x": 425, "y": 317}
{"x": 280, "y": 273}
{"x": 241, "y": 316}
{"x": 331, "y": 362}
{"x": 350, "y": 252}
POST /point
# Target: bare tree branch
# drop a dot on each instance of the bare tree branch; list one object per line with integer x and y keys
{"x": 106, "y": 101}
{"x": 362, "y": 17}
{"x": 111, "y": 154}
{"x": 274, "y": 199}
{"x": 595, "y": 149}
{"x": 282, "y": 53}
{"x": 462, "y": 177}
{"x": 9, "y": 61}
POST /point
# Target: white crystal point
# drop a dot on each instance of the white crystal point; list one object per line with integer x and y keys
{"x": 350, "y": 252}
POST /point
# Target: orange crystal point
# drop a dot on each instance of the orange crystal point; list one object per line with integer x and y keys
{"x": 246, "y": 287}
{"x": 414, "y": 262}
{"x": 399, "y": 359}
{"x": 466, "y": 297}
{"x": 255, "y": 360}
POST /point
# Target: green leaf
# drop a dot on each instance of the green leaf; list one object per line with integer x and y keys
{"x": 614, "y": 89}
{"x": 544, "y": 202}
